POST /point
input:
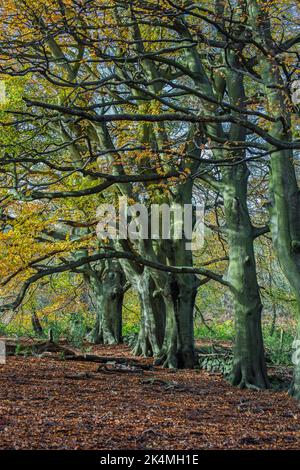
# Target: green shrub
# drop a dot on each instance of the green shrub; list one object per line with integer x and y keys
{"x": 217, "y": 331}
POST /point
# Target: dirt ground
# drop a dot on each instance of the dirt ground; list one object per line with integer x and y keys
{"x": 41, "y": 408}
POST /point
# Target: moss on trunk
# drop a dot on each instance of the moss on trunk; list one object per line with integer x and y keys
{"x": 249, "y": 369}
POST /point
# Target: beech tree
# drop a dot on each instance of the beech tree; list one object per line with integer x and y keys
{"x": 277, "y": 65}
{"x": 149, "y": 100}
{"x": 178, "y": 293}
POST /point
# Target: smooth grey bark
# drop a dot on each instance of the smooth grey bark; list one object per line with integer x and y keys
{"x": 107, "y": 287}
{"x": 249, "y": 361}
{"x": 285, "y": 229}
{"x": 167, "y": 321}
{"x": 152, "y": 326}
{"x": 167, "y": 306}
{"x": 152, "y": 309}
{"x": 249, "y": 367}
{"x": 167, "y": 302}
{"x": 284, "y": 189}
{"x": 179, "y": 294}
{"x": 178, "y": 347}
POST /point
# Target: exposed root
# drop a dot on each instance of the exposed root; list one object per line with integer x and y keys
{"x": 168, "y": 361}
{"x": 243, "y": 380}
{"x": 142, "y": 349}
{"x": 176, "y": 360}
{"x": 247, "y": 385}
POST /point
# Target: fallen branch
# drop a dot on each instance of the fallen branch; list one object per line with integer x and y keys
{"x": 82, "y": 376}
{"x": 103, "y": 368}
{"x": 120, "y": 368}
{"x": 49, "y": 346}
{"x": 167, "y": 385}
{"x": 14, "y": 348}
{"x": 107, "y": 360}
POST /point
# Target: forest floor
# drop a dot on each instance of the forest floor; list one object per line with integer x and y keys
{"x": 41, "y": 408}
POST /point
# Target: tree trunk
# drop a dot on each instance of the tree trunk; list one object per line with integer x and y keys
{"x": 249, "y": 369}
{"x": 285, "y": 210}
{"x": 185, "y": 295}
{"x": 152, "y": 327}
{"x": 249, "y": 361}
{"x": 36, "y": 324}
{"x": 294, "y": 389}
{"x": 178, "y": 348}
{"x": 285, "y": 229}
{"x": 284, "y": 190}
{"x": 108, "y": 326}
{"x": 108, "y": 291}
{"x": 179, "y": 293}
{"x": 153, "y": 316}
